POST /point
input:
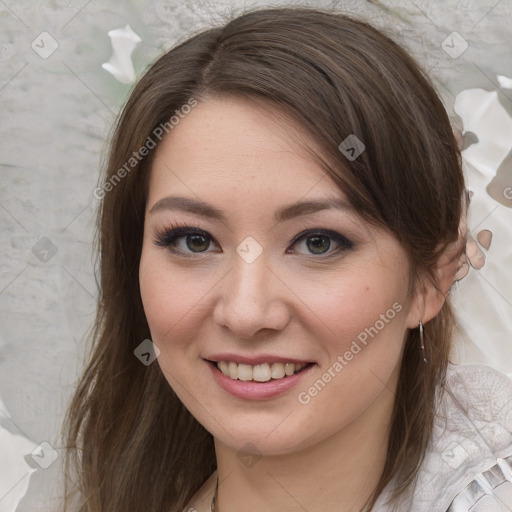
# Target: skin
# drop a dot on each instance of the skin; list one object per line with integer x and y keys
{"x": 327, "y": 454}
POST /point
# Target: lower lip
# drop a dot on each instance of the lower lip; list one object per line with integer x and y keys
{"x": 251, "y": 390}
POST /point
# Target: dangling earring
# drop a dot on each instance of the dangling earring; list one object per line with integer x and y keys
{"x": 422, "y": 343}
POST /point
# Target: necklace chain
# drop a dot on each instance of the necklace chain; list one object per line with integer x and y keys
{"x": 213, "y": 506}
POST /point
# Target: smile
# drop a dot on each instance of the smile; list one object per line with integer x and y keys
{"x": 259, "y": 372}
{"x": 260, "y": 381}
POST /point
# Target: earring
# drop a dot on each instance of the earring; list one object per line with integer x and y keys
{"x": 422, "y": 343}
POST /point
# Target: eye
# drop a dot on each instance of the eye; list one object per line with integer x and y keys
{"x": 320, "y": 241}
{"x": 188, "y": 240}
{"x": 184, "y": 239}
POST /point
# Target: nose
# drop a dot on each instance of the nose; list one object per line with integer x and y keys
{"x": 252, "y": 300}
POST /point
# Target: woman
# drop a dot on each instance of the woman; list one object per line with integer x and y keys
{"x": 280, "y": 230}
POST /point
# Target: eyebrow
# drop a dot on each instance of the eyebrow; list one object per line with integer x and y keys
{"x": 197, "y": 207}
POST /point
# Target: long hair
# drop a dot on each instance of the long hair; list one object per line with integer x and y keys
{"x": 131, "y": 443}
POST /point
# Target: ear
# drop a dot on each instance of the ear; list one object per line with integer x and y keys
{"x": 429, "y": 298}
{"x": 431, "y": 294}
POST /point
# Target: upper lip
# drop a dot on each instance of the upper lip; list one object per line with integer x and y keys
{"x": 254, "y": 360}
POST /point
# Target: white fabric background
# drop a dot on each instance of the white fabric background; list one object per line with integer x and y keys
{"x": 56, "y": 116}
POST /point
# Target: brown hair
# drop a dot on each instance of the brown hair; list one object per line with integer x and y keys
{"x": 132, "y": 445}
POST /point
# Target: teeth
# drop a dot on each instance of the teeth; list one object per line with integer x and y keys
{"x": 260, "y": 372}
{"x": 289, "y": 368}
{"x": 277, "y": 371}
{"x": 244, "y": 372}
{"x": 233, "y": 370}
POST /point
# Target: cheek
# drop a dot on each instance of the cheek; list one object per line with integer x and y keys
{"x": 362, "y": 319}
{"x": 173, "y": 298}
{"x": 361, "y": 304}
{"x": 361, "y": 331}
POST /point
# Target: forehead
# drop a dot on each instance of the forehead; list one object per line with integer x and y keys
{"x": 239, "y": 147}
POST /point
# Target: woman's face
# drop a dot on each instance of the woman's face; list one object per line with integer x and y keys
{"x": 268, "y": 266}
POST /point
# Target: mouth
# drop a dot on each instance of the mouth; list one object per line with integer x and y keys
{"x": 264, "y": 372}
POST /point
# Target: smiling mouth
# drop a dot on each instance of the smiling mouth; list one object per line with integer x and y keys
{"x": 260, "y": 372}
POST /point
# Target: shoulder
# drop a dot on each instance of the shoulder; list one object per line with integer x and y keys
{"x": 201, "y": 501}
{"x": 470, "y": 455}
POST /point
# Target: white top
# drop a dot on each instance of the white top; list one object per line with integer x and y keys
{"x": 468, "y": 467}
{"x": 469, "y": 464}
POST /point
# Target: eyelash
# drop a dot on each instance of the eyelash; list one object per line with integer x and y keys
{"x": 168, "y": 237}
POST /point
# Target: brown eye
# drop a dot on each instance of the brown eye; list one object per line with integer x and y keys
{"x": 197, "y": 243}
{"x": 184, "y": 240}
{"x": 320, "y": 242}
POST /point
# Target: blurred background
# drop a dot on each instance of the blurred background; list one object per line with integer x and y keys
{"x": 67, "y": 67}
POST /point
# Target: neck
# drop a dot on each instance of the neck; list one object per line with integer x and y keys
{"x": 337, "y": 474}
